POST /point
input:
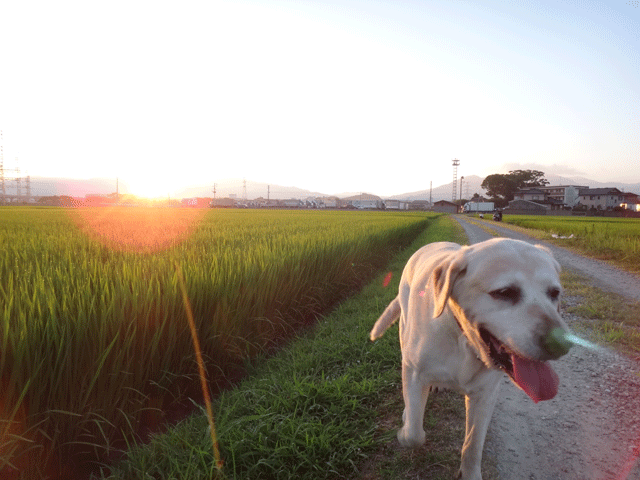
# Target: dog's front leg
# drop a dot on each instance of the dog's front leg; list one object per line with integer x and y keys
{"x": 415, "y": 395}
{"x": 479, "y": 406}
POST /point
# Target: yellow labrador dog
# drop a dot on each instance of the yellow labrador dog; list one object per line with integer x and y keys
{"x": 468, "y": 315}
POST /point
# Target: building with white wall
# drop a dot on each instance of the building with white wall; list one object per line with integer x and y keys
{"x": 601, "y": 198}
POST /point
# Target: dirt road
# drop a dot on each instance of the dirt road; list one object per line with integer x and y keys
{"x": 591, "y": 430}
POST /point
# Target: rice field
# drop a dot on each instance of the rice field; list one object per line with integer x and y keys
{"x": 616, "y": 239}
{"x": 95, "y": 347}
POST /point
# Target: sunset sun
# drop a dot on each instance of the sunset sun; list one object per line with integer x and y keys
{"x": 151, "y": 187}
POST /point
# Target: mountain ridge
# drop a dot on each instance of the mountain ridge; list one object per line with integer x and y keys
{"x": 49, "y": 186}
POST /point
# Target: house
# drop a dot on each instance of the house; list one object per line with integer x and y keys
{"x": 196, "y": 202}
{"x": 568, "y": 195}
{"x": 445, "y": 207}
{"x": 222, "y": 202}
{"x": 419, "y": 205}
{"x": 556, "y": 196}
{"x": 601, "y": 198}
{"x": 262, "y": 202}
{"x": 530, "y": 194}
{"x": 330, "y": 202}
{"x": 396, "y": 205}
{"x": 631, "y": 202}
{"x": 364, "y": 201}
{"x": 292, "y": 203}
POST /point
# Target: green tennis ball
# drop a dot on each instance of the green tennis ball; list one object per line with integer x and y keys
{"x": 557, "y": 343}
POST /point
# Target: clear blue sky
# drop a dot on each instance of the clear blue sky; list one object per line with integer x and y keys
{"x": 332, "y": 96}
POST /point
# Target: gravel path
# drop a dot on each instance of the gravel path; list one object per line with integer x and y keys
{"x": 591, "y": 430}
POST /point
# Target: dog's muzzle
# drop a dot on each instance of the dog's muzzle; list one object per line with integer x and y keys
{"x": 537, "y": 379}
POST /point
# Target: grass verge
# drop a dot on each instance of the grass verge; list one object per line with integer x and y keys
{"x": 614, "y": 240}
{"x": 612, "y": 319}
{"x": 325, "y": 407}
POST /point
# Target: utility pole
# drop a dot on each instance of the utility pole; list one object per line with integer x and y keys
{"x": 455, "y": 162}
{"x": 430, "y": 193}
{"x": 268, "y": 192}
{"x": 18, "y": 181}
{"x": 214, "y": 190}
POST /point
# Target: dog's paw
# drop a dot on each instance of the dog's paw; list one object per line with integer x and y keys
{"x": 476, "y": 475}
{"x": 411, "y": 440}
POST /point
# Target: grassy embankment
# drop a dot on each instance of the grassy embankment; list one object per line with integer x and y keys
{"x": 326, "y": 407}
{"x": 612, "y": 239}
{"x": 614, "y": 319}
{"x": 95, "y": 345}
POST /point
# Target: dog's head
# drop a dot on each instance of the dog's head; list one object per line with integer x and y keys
{"x": 505, "y": 295}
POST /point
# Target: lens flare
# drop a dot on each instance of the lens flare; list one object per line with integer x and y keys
{"x": 201, "y": 368}
{"x": 137, "y": 229}
{"x": 581, "y": 342}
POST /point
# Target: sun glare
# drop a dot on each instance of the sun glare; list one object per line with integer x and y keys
{"x": 151, "y": 187}
{"x": 140, "y": 229}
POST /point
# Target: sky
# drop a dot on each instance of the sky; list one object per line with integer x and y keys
{"x": 332, "y": 96}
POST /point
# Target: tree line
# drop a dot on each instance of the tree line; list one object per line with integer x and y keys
{"x": 502, "y": 187}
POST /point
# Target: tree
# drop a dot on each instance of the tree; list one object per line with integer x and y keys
{"x": 499, "y": 186}
{"x": 529, "y": 178}
{"x": 503, "y": 187}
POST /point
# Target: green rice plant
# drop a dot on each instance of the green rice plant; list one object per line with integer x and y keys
{"x": 95, "y": 343}
{"x": 321, "y": 408}
{"x": 615, "y": 239}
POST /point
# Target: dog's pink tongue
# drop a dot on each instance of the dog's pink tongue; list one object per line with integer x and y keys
{"x": 537, "y": 379}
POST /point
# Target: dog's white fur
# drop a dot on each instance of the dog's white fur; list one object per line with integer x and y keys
{"x": 445, "y": 296}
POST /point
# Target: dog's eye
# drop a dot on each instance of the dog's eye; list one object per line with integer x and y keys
{"x": 508, "y": 294}
{"x": 553, "y": 293}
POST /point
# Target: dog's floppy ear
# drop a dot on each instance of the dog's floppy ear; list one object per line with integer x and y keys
{"x": 443, "y": 278}
{"x": 550, "y": 253}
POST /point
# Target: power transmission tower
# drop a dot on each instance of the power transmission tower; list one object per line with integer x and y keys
{"x": 12, "y": 181}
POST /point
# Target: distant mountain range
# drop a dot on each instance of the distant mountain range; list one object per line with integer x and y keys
{"x": 471, "y": 185}
{"x": 43, "y": 186}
